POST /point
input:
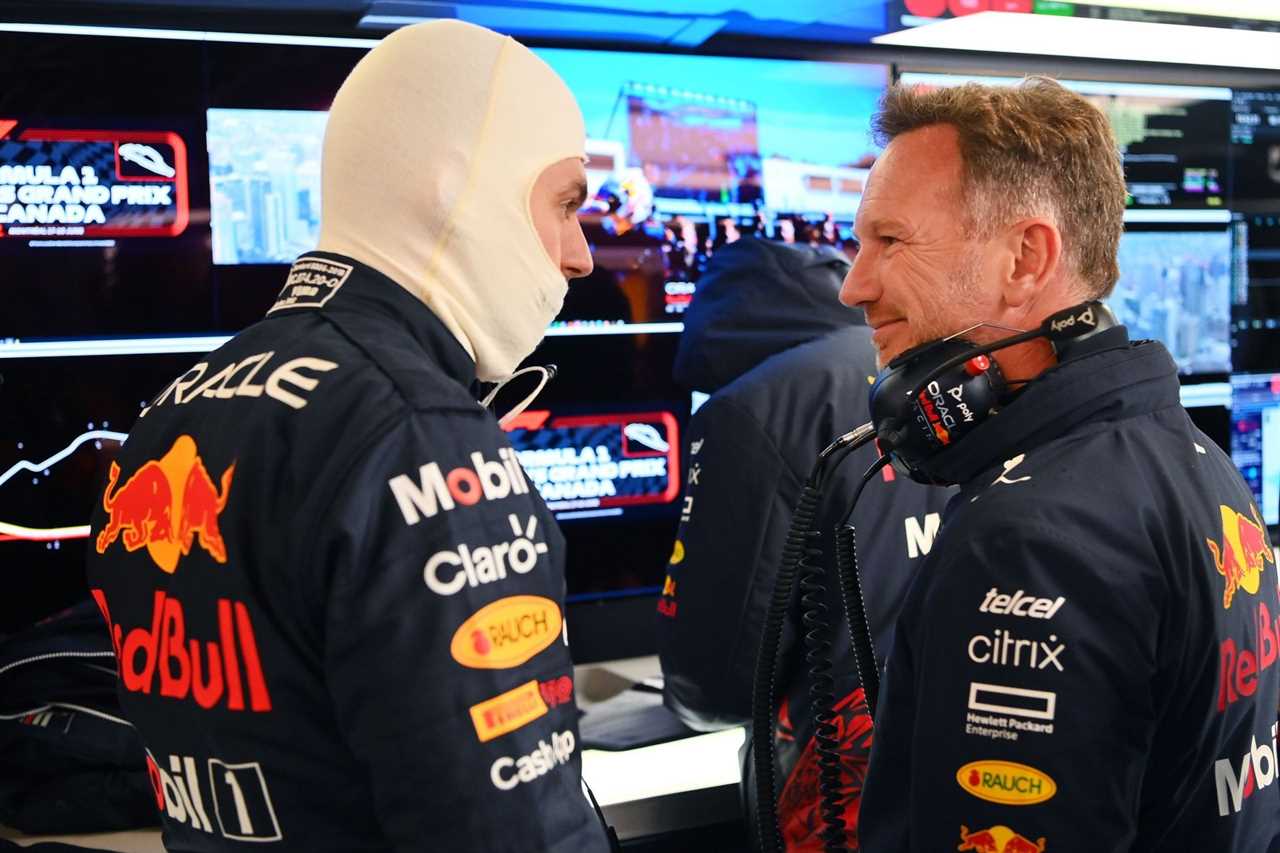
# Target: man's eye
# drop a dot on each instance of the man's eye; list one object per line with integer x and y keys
{"x": 887, "y": 240}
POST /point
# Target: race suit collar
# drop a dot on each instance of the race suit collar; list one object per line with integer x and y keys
{"x": 1113, "y": 380}
{"x": 366, "y": 291}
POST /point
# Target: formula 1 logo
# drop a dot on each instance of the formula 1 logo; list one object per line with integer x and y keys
{"x": 165, "y": 506}
{"x": 1243, "y": 553}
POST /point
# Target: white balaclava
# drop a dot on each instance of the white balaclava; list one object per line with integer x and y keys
{"x": 433, "y": 145}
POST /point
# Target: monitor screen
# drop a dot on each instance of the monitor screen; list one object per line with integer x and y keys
{"x": 1255, "y": 163}
{"x": 1255, "y": 438}
{"x": 1255, "y": 149}
{"x": 264, "y": 184}
{"x": 62, "y": 421}
{"x": 1176, "y": 287}
{"x": 112, "y": 204}
{"x": 1181, "y": 273}
{"x": 1173, "y": 139}
{"x": 103, "y": 189}
{"x": 1256, "y": 338}
{"x": 687, "y": 153}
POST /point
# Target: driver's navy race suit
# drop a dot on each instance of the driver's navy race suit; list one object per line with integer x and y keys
{"x": 336, "y": 599}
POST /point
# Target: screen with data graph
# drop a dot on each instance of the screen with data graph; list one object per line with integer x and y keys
{"x": 62, "y": 421}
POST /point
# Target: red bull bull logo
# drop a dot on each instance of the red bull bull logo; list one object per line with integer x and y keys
{"x": 1242, "y": 554}
{"x": 166, "y": 506}
{"x": 998, "y": 839}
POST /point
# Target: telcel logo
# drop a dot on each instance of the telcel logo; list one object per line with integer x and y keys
{"x": 540, "y": 762}
{"x": 487, "y": 563}
{"x": 1020, "y": 604}
{"x": 507, "y": 632}
{"x": 1006, "y": 782}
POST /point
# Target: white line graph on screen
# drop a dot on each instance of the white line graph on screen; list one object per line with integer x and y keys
{"x": 13, "y": 532}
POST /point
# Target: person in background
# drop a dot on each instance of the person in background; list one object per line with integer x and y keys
{"x": 336, "y": 599}
{"x": 1088, "y": 657}
{"x": 787, "y": 368}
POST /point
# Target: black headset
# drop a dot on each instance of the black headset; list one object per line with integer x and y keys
{"x": 935, "y": 394}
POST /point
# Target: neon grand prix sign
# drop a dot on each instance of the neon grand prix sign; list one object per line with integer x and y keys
{"x": 92, "y": 183}
{"x": 600, "y": 460}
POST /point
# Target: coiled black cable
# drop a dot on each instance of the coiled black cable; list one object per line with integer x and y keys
{"x": 861, "y": 640}
{"x": 765, "y": 687}
{"x": 814, "y": 590}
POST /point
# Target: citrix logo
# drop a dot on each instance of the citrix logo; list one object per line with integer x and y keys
{"x": 485, "y": 564}
{"x": 436, "y": 492}
{"x": 1004, "y": 649}
{"x": 540, "y": 762}
{"x": 1257, "y": 771}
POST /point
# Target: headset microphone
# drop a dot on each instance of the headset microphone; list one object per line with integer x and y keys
{"x": 934, "y": 394}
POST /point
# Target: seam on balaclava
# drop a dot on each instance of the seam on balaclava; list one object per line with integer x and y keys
{"x": 451, "y": 221}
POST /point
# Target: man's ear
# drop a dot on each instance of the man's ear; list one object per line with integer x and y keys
{"x": 1035, "y": 247}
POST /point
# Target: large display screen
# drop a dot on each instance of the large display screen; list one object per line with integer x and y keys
{"x": 1181, "y": 269}
{"x": 1255, "y": 149}
{"x": 264, "y": 184}
{"x": 1212, "y": 13}
{"x": 1173, "y": 138}
{"x": 62, "y": 420}
{"x": 1176, "y": 287}
{"x": 687, "y": 153}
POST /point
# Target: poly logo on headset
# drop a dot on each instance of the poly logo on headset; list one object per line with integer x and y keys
{"x": 1085, "y": 317}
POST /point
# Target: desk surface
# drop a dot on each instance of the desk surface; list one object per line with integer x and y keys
{"x": 661, "y": 788}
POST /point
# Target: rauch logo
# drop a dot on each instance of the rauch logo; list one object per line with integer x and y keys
{"x": 507, "y": 632}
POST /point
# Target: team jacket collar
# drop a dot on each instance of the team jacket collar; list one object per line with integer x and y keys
{"x": 1112, "y": 381}
{"x": 363, "y": 291}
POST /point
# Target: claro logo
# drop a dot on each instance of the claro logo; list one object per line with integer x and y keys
{"x": 507, "y": 632}
{"x": 447, "y": 572}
